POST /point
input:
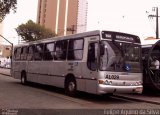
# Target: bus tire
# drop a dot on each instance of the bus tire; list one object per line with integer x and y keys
{"x": 23, "y": 78}
{"x": 70, "y": 87}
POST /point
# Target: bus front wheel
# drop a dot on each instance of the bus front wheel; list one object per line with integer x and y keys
{"x": 23, "y": 78}
{"x": 70, "y": 87}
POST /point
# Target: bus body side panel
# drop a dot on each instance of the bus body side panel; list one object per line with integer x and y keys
{"x": 15, "y": 70}
{"x": 75, "y": 68}
{"x": 39, "y": 72}
{"x": 44, "y": 76}
{"x": 90, "y": 78}
{"x": 32, "y": 74}
{"x": 57, "y": 69}
{"x": 88, "y": 75}
{"x": 81, "y": 84}
{"x": 18, "y": 67}
{"x": 64, "y": 69}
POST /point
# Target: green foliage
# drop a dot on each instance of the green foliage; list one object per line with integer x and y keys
{"x": 32, "y": 31}
{"x": 6, "y": 6}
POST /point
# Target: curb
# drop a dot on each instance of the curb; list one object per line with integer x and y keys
{"x": 5, "y": 74}
{"x": 136, "y": 99}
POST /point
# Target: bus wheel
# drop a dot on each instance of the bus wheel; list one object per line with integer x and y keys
{"x": 23, "y": 78}
{"x": 70, "y": 87}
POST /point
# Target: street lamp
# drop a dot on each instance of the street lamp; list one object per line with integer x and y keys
{"x": 6, "y": 40}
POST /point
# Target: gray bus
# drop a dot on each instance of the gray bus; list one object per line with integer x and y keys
{"x": 97, "y": 62}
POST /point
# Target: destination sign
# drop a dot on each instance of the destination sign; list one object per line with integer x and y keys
{"x": 121, "y": 37}
{"x": 108, "y": 36}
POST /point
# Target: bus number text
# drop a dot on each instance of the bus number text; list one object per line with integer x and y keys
{"x": 112, "y": 76}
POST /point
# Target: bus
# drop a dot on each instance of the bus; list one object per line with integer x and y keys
{"x": 151, "y": 70}
{"x": 97, "y": 62}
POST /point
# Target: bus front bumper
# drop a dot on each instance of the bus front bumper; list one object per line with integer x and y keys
{"x": 103, "y": 89}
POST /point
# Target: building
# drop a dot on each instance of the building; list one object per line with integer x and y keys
{"x": 1, "y": 31}
{"x": 5, "y": 50}
{"x": 1, "y": 39}
{"x": 149, "y": 40}
{"x": 1, "y": 27}
{"x": 63, "y": 16}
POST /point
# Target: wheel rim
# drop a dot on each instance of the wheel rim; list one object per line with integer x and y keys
{"x": 71, "y": 86}
{"x": 23, "y": 80}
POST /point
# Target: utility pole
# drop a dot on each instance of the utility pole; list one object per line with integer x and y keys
{"x": 157, "y": 22}
{"x": 72, "y": 29}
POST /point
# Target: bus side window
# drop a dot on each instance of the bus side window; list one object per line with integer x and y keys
{"x": 30, "y": 53}
{"x": 75, "y": 49}
{"x": 49, "y": 51}
{"x": 92, "y": 56}
{"x": 61, "y": 50}
{"x": 24, "y": 53}
{"x": 38, "y": 55}
{"x": 17, "y": 53}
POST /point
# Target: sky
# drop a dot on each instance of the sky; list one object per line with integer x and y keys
{"x": 26, "y": 10}
{"x": 129, "y": 16}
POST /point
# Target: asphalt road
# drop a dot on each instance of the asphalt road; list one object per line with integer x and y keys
{"x": 34, "y": 96}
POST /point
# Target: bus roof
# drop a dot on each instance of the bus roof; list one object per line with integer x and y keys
{"x": 72, "y": 36}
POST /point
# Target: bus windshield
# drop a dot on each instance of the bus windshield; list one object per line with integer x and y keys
{"x": 120, "y": 57}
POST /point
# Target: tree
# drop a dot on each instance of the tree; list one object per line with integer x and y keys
{"x": 32, "y": 31}
{"x": 6, "y": 6}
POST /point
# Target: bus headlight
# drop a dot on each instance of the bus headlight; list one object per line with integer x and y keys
{"x": 105, "y": 82}
{"x": 108, "y": 82}
{"x": 138, "y": 83}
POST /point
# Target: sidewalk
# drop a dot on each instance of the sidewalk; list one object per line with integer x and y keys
{"x": 5, "y": 71}
{"x": 153, "y": 98}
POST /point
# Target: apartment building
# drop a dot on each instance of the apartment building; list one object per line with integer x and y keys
{"x": 1, "y": 39}
{"x": 1, "y": 30}
{"x": 63, "y": 16}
